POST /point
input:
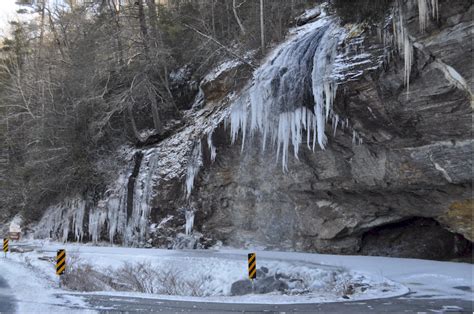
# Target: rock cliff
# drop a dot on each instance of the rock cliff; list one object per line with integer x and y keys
{"x": 395, "y": 179}
{"x": 413, "y": 169}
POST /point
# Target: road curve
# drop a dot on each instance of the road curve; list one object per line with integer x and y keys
{"x": 399, "y": 304}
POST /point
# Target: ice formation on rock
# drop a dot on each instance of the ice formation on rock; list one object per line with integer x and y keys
{"x": 404, "y": 46}
{"x": 59, "y": 219}
{"x": 291, "y": 96}
{"x": 296, "y": 77}
{"x": 194, "y": 164}
{"x": 189, "y": 215}
{"x": 178, "y": 157}
{"x": 427, "y": 9}
{"x": 211, "y": 146}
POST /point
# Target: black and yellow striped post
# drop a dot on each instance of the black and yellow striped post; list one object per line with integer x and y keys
{"x": 252, "y": 266}
{"x": 5, "y": 246}
{"x": 60, "y": 262}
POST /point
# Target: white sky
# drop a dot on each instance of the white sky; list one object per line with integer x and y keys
{"x": 7, "y": 12}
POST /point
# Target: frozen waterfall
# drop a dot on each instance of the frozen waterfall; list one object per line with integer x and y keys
{"x": 189, "y": 215}
{"x": 194, "y": 164}
{"x": 288, "y": 104}
{"x": 292, "y": 92}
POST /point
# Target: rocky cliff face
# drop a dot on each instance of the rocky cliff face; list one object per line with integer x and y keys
{"x": 398, "y": 174}
{"x": 414, "y": 168}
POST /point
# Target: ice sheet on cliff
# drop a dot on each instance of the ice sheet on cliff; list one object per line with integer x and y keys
{"x": 290, "y": 93}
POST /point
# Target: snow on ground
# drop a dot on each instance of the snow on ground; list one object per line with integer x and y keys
{"x": 425, "y": 278}
{"x": 219, "y": 269}
{"x": 388, "y": 276}
{"x": 35, "y": 293}
{"x": 225, "y": 66}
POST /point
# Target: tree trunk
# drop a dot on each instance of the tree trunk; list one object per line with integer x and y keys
{"x": 115, "y": 9}
{"x": 153, "y": 25}
{"x": 56, "y": 36}
{"x": 143, "y": 27}
{"x": 154, "y": 111}
{"x": 262, "y": 27}
{"x": 132, "y": 121}
{"x": 213, "y": 18}
{"x": 42, "y": 12}
{"x": 234, "y": 9}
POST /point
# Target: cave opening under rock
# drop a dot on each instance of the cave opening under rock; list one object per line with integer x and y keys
{"x": 416, "y": 237}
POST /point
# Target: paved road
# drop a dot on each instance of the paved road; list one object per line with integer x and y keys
{"x": 7, "y": 302}
{"x": 400, "y": 304}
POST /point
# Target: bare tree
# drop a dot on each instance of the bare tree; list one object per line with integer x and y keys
{"x": 143, "y": 26}
{"x": 262, "y": 28}
{"x": 235, "y": 6}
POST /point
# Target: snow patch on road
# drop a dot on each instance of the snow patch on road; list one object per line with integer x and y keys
{"x": 36, "y": 294}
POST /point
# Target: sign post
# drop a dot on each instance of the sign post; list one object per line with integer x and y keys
{"x": 60, "y": 262}
{"x": 252, "y": 257}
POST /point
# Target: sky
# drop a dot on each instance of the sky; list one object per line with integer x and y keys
{"x": 7, "y": 12}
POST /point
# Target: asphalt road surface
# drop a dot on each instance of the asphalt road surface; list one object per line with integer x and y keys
{"x": 7, "y": 301}
{"x": 109, "y": 304}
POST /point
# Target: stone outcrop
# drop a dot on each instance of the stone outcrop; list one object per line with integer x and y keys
{"x": 408, "y": 186}
{"x": 416, "y": 159}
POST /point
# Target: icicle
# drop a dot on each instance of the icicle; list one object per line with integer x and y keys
{"x": 238, "y": 120}
{"x": 309, "y": 127}
{"x": 189, "y": 215}
{"x": 194, "y": 164}
{"x": 423, "y": 14}
{"x": 211, "y": 146}
{"x": 116, "y": 206}
{"x": 280, "y": 87}
{"x": 408, "y": 52}
{"x": 354, "y": 137}
{"x": 142, "y": 197}
{"x": 435, "y": 9}
{"x": 283, "y": 139}
{"x": 65, "y": 225}
{"x": 405, "y": 47}
{"x": 79, "y": 207}
{"x": 314, "y": 133}
{"x": 336, "y": 121}
{"x": 328, "y": 98}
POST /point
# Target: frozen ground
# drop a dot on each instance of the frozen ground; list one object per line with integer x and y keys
{"x": 35, "y": 286}
{"x": 217, "y": 270}
{"x": 32, "y": 292}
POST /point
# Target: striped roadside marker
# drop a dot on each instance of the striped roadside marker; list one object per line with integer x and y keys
{"x": 60, "y": 262}
{"x": 252, "y": 266}
{"x": 5, "y": 246}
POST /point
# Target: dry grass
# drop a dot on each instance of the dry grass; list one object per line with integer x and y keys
{"x": 136, "y": 277}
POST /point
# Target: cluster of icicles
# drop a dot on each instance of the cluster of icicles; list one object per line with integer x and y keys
{"x": 277, "y": 104}
{"x": 295, "y": 78}
{"x": 426, "y": 9}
